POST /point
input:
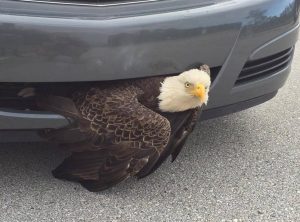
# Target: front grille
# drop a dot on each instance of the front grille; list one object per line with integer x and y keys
{"x": 9, "y": 91}
{"x": 264, "y": 67}
{"x": 9, "y": 98}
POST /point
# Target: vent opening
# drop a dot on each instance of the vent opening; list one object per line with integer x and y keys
{"x": 266, "y": 66}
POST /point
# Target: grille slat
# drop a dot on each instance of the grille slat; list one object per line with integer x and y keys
{"x": 272, "y": 66}
{"x": 250, "y": 66}
{"x": 264, "y": 67}
{"x": 9, "y": 91}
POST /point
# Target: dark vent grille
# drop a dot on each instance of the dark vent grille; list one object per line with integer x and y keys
{"x": 9, "y": 91}
{"x": 266, "y": 66}
{"x": 9, "y": 98}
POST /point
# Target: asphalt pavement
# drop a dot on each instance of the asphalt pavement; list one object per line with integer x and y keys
{"x": 242, "y": 167}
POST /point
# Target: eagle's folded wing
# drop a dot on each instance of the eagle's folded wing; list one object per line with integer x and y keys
{"x": 113, "y": 137}
{"x": 182, "y": 124}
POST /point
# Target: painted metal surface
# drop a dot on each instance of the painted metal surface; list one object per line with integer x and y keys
{"x": 55, "y": 43}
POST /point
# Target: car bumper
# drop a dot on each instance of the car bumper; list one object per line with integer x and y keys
{"x": 53, "y": 46}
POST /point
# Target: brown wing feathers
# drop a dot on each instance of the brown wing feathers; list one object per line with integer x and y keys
{"x": 182, "y": 124}
{"x": 121, "y": 137}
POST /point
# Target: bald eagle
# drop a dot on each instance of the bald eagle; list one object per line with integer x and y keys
{"x": 126, "y": 128}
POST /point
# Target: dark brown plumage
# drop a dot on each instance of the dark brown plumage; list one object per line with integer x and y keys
{"x": 117, "y": 132}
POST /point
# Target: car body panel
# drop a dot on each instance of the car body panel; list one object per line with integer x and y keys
{"x": 81, "y": 49}
{"x": 55, "y": 43}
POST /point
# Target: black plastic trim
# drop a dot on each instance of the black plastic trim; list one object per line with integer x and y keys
{"x": 233, "y": 108}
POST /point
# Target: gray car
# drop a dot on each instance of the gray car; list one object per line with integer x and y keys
{"x": 43, "y": 43}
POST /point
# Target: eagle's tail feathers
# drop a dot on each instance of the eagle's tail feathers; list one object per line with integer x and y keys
{"x": 179, "y": 145}
{"x": 92, "y": 170}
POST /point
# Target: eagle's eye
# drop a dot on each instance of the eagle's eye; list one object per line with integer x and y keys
{"x": 187, "y": 85}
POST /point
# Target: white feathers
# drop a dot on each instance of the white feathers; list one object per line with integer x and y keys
{"x": 195, "y": 76}
{"x": 174, "y": 96}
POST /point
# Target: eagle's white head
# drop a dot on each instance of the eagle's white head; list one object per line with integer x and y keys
{"x": 185, "y": 91}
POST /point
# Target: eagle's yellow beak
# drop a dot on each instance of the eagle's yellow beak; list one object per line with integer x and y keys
{"x": 199, "y": 91}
